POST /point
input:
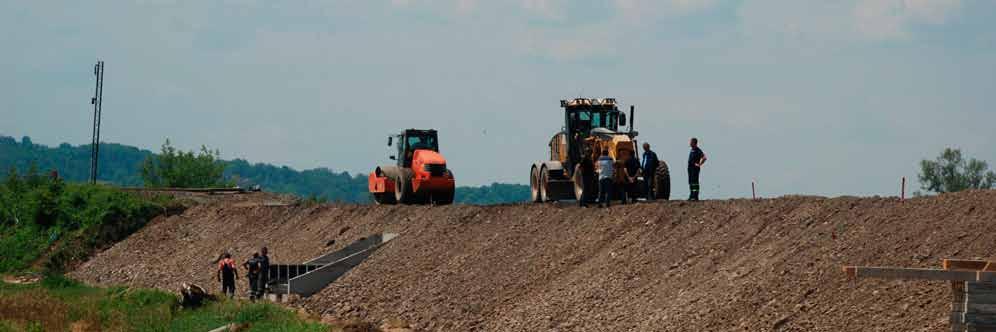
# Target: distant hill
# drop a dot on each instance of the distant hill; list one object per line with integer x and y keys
{"x": 120, "y": 164}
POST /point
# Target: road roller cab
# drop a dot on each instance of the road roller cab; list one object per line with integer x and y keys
{"x": 420, "y": 175}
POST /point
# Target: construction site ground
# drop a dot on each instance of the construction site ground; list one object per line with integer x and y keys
{"x": 730, "y": 265}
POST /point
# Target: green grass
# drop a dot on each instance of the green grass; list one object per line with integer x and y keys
{"x": 47, "y": 224}
{"x": 56, "y": 303}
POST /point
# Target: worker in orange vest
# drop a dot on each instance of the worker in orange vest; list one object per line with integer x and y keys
{"x": 227, "y": 274}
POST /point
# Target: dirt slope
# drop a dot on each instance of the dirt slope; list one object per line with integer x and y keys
{"x": 734, "y": 265}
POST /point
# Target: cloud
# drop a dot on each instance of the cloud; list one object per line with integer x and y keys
{"x": 843, "y": 21}
{"x": 444, "y": 7}
{"x": 627, "y": 10}
{"x": 892, "y": 19}
{"x": 643, "y": 9}
{"x": 578, "y": 44}
{"x": 554, "y": 10}
{"x": 566, "y": 31}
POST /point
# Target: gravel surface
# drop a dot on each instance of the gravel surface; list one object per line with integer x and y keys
{"x": 735, "y": 265}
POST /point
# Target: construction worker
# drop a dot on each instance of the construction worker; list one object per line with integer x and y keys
{"x": 264, "y": 271}
{"x": 649, "y": 168}
{"x": 253, "y": 268}
{"x": 587, "y": 180}
{"x": 696, "y": 158}
{"x": 632, "y": 169}
{"x": 605, "y": 179}
{"x": 227, "y": 274}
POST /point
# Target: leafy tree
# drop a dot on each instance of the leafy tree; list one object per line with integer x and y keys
{"x": 9, "y": 191}
{"x": 950, "y": 172}
{"x": 174, "y": 168}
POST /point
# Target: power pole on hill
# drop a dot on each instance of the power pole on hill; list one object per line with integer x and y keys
{"x": 96, "y": 101}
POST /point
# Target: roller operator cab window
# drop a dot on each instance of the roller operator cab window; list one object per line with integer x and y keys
{"x": 423, "y": 142}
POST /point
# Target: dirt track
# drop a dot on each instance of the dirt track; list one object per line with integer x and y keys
{"x": 672, "y": 266}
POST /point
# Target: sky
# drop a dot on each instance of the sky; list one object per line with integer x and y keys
{"x": 803, "y": 97}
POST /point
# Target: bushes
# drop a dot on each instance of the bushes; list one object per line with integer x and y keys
{"x": 38, "y": 212}
{"x": 22, "y": 245}
{"x": 58, "y": 281}
{"x": 173, "y": 168}
{"x": 60, "y": 304}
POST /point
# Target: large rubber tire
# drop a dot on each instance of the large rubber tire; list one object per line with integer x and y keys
{"x": 403, "y": 189}
{"x": 421, "y": 198}
{"x": 662, "y": 177}
{"x": 534, "y": 185}
{"x": 544, "y": 185}
{"x": 444, "y": 198}
{"x": 383, "y": 198}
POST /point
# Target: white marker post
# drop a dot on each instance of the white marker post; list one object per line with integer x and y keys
{"x": 753, "y": 189}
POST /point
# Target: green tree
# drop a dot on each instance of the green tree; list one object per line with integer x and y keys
{"x": 951, "y": 172}
{"x": 174, "y": 168}
{"x": 9, "y": 191}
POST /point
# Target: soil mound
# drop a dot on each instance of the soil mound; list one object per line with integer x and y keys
{"x": 736, "y": 265}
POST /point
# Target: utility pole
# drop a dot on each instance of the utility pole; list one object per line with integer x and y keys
{"x": 96, "y": 101}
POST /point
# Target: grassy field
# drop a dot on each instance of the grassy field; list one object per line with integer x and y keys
{"x": 60, "y": 304}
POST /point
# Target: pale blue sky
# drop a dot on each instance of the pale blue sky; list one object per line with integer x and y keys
{"x": 807, "y": 97}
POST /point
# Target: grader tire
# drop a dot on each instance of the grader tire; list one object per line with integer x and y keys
{"x": 534, "y": 188}
{"x": 662, "y": 177}
{"x": 544, "y": 183}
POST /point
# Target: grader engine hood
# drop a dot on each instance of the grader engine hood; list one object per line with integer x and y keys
{"x": 620, "y": 143}
{"x": 615, "y": 143}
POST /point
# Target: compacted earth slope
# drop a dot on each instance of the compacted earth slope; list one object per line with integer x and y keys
{"x": 736, "y": 265}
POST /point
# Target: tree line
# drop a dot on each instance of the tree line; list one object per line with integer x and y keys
{"x": 130, "y": 166}
{"x": 125, "y": 165}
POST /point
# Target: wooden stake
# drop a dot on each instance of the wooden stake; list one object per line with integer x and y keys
{"x": 902, "y": 195}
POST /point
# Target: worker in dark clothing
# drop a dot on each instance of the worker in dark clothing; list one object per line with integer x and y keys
{"x": 264, "y": 271}
{"x": 605, "y": 179}
{"x": 632, "y": 169}
{"x": 696, "y": 158}
{"x": 227, "y": 274}
{"x": 253, "y": 268}
{"x": 649, "y": 168}
{"x": 619, "y": 181}
{"x": 587, "y": 169}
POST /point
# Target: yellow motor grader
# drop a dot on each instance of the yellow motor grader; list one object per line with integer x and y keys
{"x": 590, "y": 126}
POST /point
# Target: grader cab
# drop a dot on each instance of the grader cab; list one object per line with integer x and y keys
{"x": 591, "y": 125}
